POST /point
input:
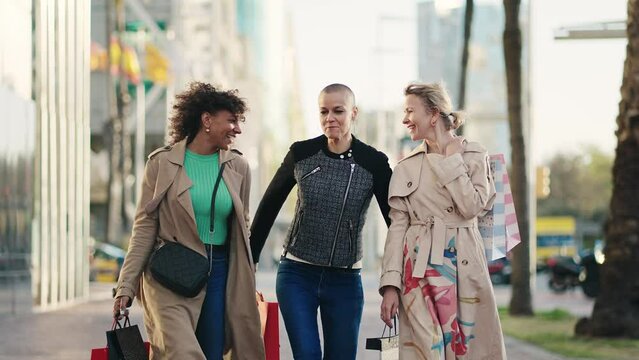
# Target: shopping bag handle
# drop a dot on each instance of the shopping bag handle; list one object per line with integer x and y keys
{"x": 116, "y": 323}
{"x": 389, "y": 329}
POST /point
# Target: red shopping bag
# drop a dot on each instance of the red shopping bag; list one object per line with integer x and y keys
{"x": 100, "y": 354}
{"x": 272, "y": 332}
{"x": 498, "y": 226}
{"x": 269, "y": 319}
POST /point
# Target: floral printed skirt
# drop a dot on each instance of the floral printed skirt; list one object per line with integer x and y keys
{"x": 450, "y": 313}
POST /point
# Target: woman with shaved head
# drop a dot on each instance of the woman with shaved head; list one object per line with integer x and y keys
{"x": 336, "y": 176}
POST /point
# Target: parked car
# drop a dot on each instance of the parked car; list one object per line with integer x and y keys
{"x": 105, "y": 262}
{"x": 500, "y": 271}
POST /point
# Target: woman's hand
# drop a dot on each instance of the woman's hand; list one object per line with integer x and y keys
{"x": 390, "y": 304}
{"x": 119, "y": 307}
{"x": 456, "y": 145}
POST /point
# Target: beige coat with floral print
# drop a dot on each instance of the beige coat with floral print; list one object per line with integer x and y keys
{"x": 434, "y": 254}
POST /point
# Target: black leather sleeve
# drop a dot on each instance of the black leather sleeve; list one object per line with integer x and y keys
{"x": 381, "y": 182}
{"x": 271, "y": 203}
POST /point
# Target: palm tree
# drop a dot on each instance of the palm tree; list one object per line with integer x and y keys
{"x": 520, "y": 302}
{"x": 468, "y": 21}
{"x": 616, "y": 311}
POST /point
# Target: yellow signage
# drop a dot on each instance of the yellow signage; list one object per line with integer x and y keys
{"x": 556, "y": 225}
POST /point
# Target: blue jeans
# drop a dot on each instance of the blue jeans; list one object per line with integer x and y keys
{"x": 301, "y": 290}
{"x": 210, "y": 326}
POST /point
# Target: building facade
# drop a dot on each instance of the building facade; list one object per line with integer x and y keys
{"x": 440, "y": 41}
{"x": 44, "y": 174}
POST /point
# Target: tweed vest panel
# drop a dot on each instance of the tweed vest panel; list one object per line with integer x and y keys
{"x": 330, "y": 210}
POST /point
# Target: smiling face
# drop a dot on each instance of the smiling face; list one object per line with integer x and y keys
{"x": 418, "y": 119}
{"x": 223, "y": 127}
{"x": 337, "y": 113}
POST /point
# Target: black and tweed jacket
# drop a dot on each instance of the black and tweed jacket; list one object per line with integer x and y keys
{"x": 334, "y": 193}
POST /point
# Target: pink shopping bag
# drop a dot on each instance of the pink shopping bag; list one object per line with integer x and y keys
{"x": 498, "y": 227}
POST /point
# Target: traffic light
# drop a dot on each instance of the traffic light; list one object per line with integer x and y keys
{"x": 543, "y": 182}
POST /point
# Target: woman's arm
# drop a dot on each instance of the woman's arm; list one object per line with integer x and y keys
{"x": 271, "y": 203}
{"x": 469, "y": 183}
{"x": 393, "y": 260}
{"x": 381, "y": 182}
{"x": 145, "y": 228}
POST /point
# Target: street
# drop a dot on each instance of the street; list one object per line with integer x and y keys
{"x": 70, "y": 333}
{"x": 574, "y": 301}
{"x": 543, "y": 299}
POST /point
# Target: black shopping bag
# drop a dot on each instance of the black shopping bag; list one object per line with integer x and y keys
{"x": 388, "y": 346}
{"x": 125, "y": 342}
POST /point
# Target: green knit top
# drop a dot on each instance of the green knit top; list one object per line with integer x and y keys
{"x": 203, "y": 171}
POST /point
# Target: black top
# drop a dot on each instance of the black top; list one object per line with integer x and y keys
{"x": 334, "y": 191}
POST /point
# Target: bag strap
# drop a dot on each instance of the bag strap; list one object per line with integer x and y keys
{"x": 389, "y": 330}
{"x": 116, "y": 323}
{"x": 212, "y": 222}
{"x": 217, "y": 185}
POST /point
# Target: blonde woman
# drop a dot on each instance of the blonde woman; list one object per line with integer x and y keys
{"x": 434, "y": 270}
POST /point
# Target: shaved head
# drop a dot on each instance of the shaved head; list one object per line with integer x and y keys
{"x": 333, "y": 88}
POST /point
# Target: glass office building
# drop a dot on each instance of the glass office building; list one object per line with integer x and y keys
{"x": 44, "y": 154}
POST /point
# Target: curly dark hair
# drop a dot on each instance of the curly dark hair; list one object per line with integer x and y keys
{"x": 197, "y": 99}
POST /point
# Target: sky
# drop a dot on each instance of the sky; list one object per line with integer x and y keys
{"x": 367, "y": 45}
{"x": 574, "y": 84}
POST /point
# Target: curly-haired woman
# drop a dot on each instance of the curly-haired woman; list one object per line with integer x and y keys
{"x": 175, "y": 206}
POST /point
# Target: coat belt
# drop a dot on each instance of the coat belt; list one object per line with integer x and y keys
{"x": 432, "y": 241}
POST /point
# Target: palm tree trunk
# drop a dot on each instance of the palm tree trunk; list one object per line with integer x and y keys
{"x": 520, "y": 302}
{"x": 468, "y": 22}
{"x": 616, "y": 311}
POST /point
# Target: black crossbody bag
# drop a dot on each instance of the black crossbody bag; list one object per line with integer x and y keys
{"x": 179, "y": 268}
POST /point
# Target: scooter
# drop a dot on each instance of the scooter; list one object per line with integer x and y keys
{"x": 564, "y": 273}
{"x": 567, "y": 273}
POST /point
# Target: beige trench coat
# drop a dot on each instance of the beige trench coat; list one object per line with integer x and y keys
{"x": 435, "y": 255}
{"x": 165, "y": 213}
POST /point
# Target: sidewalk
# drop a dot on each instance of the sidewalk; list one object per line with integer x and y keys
{"x": 573, "y": 301}
{"x": 70, "y": 333}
